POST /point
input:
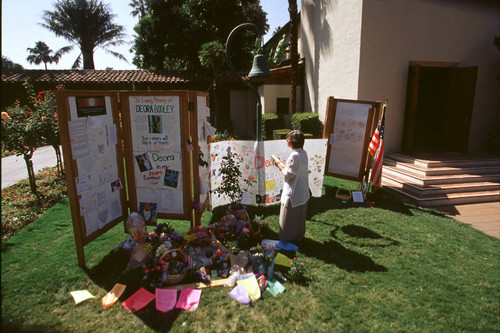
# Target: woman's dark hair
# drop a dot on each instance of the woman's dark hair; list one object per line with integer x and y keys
{"x": 296, "y": 138}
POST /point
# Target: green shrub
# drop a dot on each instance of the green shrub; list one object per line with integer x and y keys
{"x": 271, "y": 122}
{"x": 307, "y": 122}
{"x": 280, "y": 134}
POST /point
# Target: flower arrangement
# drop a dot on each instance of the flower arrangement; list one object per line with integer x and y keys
{"x": 297, "y": 269}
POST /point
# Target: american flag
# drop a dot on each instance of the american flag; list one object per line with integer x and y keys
{"x": 376, "y": 148}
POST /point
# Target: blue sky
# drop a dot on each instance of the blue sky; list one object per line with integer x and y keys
{"x": 21, "y": 29}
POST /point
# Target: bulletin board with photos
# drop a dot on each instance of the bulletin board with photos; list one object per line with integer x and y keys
{"x": 349, "y": 125}
{"x": 156, "y": 128}
{"x": 91, "y": 142}
{"x": 156, "y": 134}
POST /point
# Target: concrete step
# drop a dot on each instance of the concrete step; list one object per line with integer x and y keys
{"x": 433, "y": 190}
{"x": 424, "y": 171}
{"x": 449, "y": 199}
{"x": 405, "y": 177}
{"x": 441, "y": 160}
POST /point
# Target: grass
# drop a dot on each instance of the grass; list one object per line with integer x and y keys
{"x": 391, "y": 267}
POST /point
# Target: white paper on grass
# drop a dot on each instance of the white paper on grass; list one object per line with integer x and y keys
{"x": 357, "y": 196}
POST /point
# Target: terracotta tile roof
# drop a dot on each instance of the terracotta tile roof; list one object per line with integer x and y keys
{"x": 107, "y": 76}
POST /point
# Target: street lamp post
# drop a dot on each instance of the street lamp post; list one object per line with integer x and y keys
{"x": 259, "y": 69}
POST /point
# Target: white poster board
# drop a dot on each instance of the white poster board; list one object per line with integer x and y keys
{"x": 348, "y": 128}
{"x": 155, "y": 153}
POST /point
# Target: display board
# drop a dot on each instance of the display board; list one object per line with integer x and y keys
{"x": 201, "y": 130}
{"x": 91, "y": 143}
{"x": 349, "y": 125}
{"x": 157, "y": 140}
{"x": 258, "y": 166}
{"x": 156, "y": 128}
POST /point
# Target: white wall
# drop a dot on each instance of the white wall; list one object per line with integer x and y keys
{"x": 395, "y": 32}
{"x": 358, "y": 49}
{"x": 330, "y": 34}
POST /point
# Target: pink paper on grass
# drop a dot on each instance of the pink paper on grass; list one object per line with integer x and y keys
{"x": 189, "y": 299}
{"x": 138, "y": 300}
{"x": 165, "y": 299}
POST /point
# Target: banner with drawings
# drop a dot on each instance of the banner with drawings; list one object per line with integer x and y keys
{"x": 156, "y": 155}
{"x": 93, "y": 139}
{"x": 258, "y": 166}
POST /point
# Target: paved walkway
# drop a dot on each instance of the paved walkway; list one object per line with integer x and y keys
{"x": 482, "y": 216}
{"x": 14, "y": 167}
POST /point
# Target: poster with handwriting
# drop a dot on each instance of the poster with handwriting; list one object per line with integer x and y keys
{"x": 157, "y": 155}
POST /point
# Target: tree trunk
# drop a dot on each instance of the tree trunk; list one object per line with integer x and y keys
{"x": 294, "y": 53}
{"x": 88, "y": 59}
{"x": 31, "y": 172}
{"x": 60, "y": 167}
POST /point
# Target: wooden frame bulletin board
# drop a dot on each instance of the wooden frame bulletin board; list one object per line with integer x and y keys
{"x": 349, "y": 125}
{"x": 160, "y": 131}
{"x": 91, "y": 142}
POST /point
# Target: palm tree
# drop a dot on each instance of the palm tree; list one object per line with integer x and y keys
{"x": 294, "y": 53}
{"x": 87, "y": 24}
{"x": 42, "y": 53}
{"x": 139, "y": 8}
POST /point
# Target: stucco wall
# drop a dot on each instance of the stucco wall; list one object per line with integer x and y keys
{"x": 362, "y": 49}
{"x": 330, "y": 34}
{"x": 395, "y": 32}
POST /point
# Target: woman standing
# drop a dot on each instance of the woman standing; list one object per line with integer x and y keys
{"x": 295, "y": 190}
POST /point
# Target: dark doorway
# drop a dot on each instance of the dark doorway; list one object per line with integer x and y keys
{"x": 438, "y": 112}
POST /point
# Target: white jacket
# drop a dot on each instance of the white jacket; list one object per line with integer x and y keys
{"x": 296, "y": 185}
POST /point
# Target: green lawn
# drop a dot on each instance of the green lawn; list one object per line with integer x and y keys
{"x": 391, "y": 267}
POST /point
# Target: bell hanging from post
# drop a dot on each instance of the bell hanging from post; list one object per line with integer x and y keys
{"x": 260, "y": 67}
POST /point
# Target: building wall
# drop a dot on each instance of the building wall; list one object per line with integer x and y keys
{"x": 330, "y": 34}
{"x": 362, "y": 49}
{"x": 395, "y": 32}
{"x": 270, "y": 92}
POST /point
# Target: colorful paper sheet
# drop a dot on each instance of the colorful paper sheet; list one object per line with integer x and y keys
{"x": 138, "y": 300}
{"x": 165, "y": 299}
{"x": 110, "y": 298}
{"x": 252, "y": 287}
{"x": 81, "y": 295}
{"x": 287, "y": 246}
{"x": 240, "y": 294}
{"x": 189, "y": 299}
{"x": 275, "y": 287}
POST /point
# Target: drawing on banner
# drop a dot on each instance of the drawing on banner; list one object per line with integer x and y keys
{"x": 90, "y": 106}
{"x": 258, "y": 165}
{"x": 149, "y": 211}
{"x": 143, "y": 162}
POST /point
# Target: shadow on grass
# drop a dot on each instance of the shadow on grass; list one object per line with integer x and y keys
{"x": 109, "y": 271}
{"x": 361, "y": 236}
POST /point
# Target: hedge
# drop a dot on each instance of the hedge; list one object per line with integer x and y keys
{"x": 307, "y": 122}
{"x": 271, "y": 122}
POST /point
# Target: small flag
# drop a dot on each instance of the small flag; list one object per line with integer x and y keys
{"x": 376, "y": 148}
